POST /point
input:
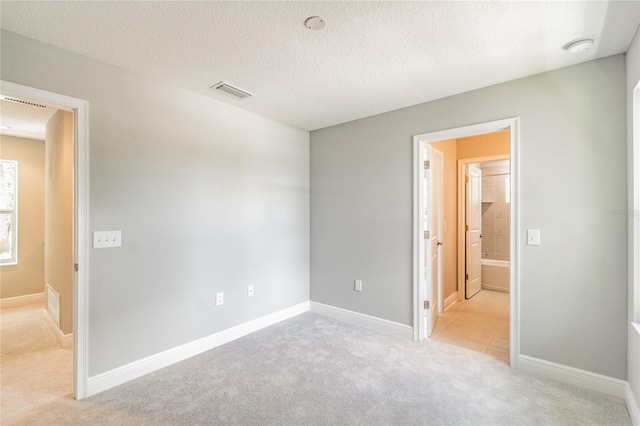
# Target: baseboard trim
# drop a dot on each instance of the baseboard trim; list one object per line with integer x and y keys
{"x": 575, "y": 376}
{"x": 29, "y": 299}
{"x": 632, "y": 405}
{"x": 494, "y": 288}
{"x": 375, "y": 323}
{"x": 64, "y": 340}
{"x": 120, "y": 375}
{"x": 449, "y": 301}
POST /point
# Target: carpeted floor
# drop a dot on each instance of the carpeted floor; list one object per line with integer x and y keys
{"x": 312, "y": 370}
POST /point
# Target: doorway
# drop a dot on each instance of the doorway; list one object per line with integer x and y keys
{"x": 77, "y": 260}
{"x": 423, "y": 287}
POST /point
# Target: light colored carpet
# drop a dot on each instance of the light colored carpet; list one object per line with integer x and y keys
{"x": 312, "y": 370}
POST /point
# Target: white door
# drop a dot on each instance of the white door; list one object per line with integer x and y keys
{"x": 432, "y": 237}
{"x": 473, "y": 228}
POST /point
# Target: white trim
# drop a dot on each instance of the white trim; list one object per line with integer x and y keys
{"x": 14, "y": 212}
{"x": 494, "y": 288}
{"x": 29, "y": 299}
{"x": 120, "y": 375}
{"x": 513, "y": 125}
{"x": 449, "y": 301}
{"x": 632, "y": 405}
{"x": 574, "y": 376}
{"x": 64, "y": 340}
{"x": 634, "y": 205}
{"x": 80, "y": 109}
{"x": 363, "y": 320}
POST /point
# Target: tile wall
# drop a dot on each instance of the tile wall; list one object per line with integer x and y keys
{"x": 495, "y": 213}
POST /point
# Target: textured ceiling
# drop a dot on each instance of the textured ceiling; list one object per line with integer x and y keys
{"x": 372, "y": 57}
{"x": 24, "y": 120}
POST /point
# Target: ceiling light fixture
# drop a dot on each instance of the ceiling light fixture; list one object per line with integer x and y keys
{"x": 315, "y": 23}
{"x": 580, "y": 45}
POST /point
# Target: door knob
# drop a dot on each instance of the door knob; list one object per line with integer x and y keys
{"x": 439, "y": 243}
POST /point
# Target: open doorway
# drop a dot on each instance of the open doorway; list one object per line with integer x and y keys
{"x": 488, "y": 149}
{"x": 49, "y": 319}
{"x": 36, "y": 249}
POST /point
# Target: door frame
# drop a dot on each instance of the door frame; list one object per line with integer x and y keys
{"x": 80, "y": 109}
{"x": 462, "y": 210}
{"x": 513, "y": 125}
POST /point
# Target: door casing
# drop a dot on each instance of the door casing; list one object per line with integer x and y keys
{"x": 511, "y": 124}
{"x": 80, "y": 109}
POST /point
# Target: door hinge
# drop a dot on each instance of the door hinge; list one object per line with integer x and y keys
{"x": 427, "y": 235}
{"x": 75, "y": 266}
{"x": 426, "y": 304}
{"x": 466, "y": 227}
{"x": 466, "y": 178}
{"x": 466, "y": 276}
{"x": 426, "y": 164}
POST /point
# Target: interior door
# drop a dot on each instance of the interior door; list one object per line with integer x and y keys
{"x": 432, "y": 240}
{"x": 473, "y": 230}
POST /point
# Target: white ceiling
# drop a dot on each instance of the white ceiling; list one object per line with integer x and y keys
{"x": 372, "y": 57}
{"x": 26, "y": 121}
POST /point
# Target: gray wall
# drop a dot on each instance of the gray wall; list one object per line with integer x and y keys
{"x": 208, "y": 197}
{"x": 573, "y": 168}
{"x": 633, "y": 79}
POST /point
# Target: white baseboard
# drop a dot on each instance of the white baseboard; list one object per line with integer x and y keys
{"x": 64, "y": 340}
{"x": 632, "y": 405}
{"x": 449, "y": 301}
{"x": 29, "y": 299}
{"x": 575, "y": 376}
{"x": 120, "y": 375}
{"x": 495, "y": 288}
{"x": 378, "y": 324}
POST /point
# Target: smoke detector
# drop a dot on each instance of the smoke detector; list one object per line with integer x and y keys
{"x": 229, "y": 90}
{"x": 580, "y": 45}
{"x": 315, "y": 23}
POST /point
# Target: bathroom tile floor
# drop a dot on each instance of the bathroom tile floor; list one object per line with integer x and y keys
{"x": 480, "y": 324}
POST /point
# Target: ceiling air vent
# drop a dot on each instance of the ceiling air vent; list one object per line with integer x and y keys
{"x": 20, "y": 101}
{"x": 229, "y": 90}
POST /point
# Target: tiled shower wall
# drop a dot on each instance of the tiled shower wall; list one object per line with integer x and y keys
{"x": 495, "y": 214}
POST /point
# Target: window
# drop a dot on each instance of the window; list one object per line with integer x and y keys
{"x": 8, "y": 212}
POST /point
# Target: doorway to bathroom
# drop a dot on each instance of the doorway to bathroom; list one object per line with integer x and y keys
{"x": 478, "y": 288}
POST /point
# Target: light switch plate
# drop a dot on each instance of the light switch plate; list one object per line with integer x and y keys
{"x": 533, "y": 237}
{"x": 219, "y": 298}
{"x": 358, "y": 285}
{"x": 105, "y": 239}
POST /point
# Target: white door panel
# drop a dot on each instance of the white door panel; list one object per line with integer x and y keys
{"x": 473, "y": 227}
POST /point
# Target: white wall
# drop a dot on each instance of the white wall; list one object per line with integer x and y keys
{"x": 208, "y": 197}
{"x": 573, "y": 169}
{"x": 633, "y": 79}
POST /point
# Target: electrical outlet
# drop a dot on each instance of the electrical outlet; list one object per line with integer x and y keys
{"x": 105, "y": 239}
{"x": 358, "y": 285}
{"x": 219, "y": 298}
{"x": 250, "y": 291}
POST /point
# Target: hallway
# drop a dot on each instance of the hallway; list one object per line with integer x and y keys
{"x": 34, "y": 371}
{"x": 480, "y": 324}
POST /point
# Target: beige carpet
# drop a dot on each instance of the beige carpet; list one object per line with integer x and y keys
{"x": 34, "y": 371}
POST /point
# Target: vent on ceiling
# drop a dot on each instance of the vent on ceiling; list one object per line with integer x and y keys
{"x": 20, "y": 101}
{"x": 227, "y": 89}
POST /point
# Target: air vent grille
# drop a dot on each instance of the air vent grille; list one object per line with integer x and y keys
{"x": 20, "y": 101}
{"x": 235, "y": 92}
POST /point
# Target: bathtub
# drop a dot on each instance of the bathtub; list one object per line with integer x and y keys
{"x": 495, "y": 275}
